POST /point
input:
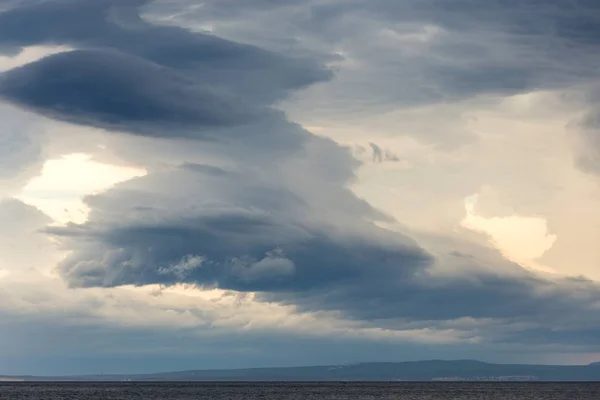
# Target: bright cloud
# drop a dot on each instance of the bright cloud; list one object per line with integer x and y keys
{"x": 521, "y": 239}
{"x": 63, "y": 182}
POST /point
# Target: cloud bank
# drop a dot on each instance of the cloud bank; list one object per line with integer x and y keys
{"x": 240, "y": 198}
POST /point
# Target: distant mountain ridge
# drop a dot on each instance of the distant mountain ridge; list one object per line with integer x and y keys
{"x": 433, "y": 370}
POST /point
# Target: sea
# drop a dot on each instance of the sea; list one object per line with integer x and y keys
{"x": 300, "y": 391}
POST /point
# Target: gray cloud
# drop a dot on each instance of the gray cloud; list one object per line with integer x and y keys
{"x": 97, "y": 348}
{"x": 381, "y": 155}
{"x": 278, "y": 187}
{"x": 588, "y": 125}
{"x": 22, "y": 246}
{"x": 372, "y": 275}
{"x": 116, "y": 91}
{"x": 265, "y": 76}
{"x": 16, "y": 217}
{"x": 21, "y": 150}
{"x": 399, "y": 54}
{"x": 134, "y": 76}
{"x": 482, "y": 295}
{"x": 273, "y": 266}
{"x": 245, "y": 232}
{"x": 233, "y": 258}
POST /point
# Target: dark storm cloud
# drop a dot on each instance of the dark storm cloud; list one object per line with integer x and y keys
{"x": 232, "y": 251}
{"x": 134, "y": 76}
{"x": 264, "y": 76}
{"x": 112, "y": 90}
{"x": 319, "y": 271}
{"x": 429, "y": 298}
{"x": 260, "y": 238}
{"x": 242, "y": 235}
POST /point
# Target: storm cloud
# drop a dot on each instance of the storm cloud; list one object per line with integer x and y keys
{"x": 249, "y": 238}
{"x": 129, "y": 94}
{"x": 241, "y": 229}
{"x": 262, "y": 75}
{"x": 255, "y": 203}
{"x": 400, "y": 54}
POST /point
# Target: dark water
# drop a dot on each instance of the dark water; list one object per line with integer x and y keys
{"x": 309, "y": 391}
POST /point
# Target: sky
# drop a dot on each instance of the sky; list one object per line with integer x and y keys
{"x": 219, "y": 184}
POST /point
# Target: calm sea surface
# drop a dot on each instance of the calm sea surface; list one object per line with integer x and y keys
{"x": 271, "y": 391}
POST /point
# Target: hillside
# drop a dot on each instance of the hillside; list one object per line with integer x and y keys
{"x": 467, "y": 370}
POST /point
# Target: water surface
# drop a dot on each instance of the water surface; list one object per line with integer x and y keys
{"x": 308, "y": 391}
